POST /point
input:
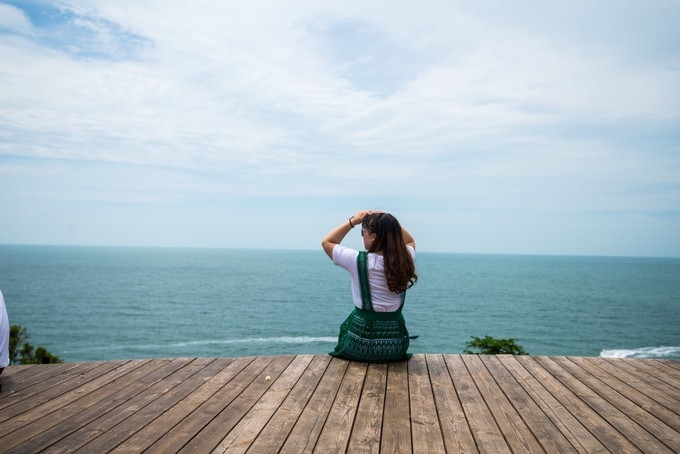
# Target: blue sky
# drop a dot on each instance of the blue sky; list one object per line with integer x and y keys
{"x": 485, "y": 127}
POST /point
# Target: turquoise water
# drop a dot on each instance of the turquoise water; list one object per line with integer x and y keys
{"x": 100, "y": 303}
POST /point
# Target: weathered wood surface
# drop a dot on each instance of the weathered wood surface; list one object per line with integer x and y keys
{"x": 315, "y": 403}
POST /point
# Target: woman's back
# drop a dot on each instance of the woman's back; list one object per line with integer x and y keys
{"x": 384, "y": 300}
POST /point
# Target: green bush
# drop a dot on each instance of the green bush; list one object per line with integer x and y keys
{"x": 21, "y": 352}
{"x": 491, "y": 346}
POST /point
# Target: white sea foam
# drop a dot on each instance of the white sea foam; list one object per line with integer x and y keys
{"x": 645, "y": 352}
{"x": 260, "y": 340}
{"x": 246, "y": 340}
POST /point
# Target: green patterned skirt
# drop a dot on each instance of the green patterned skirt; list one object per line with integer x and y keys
{"x": 374, "y": 337}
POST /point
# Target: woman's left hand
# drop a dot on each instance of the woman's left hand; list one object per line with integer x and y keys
{"x": 359, "y": 217}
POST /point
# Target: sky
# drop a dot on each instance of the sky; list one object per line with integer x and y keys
{"x": 510, "y": 127}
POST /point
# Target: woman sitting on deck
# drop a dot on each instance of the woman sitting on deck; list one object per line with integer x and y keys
{"x": 375, "y": 331}
{"x": 4, "y": 336}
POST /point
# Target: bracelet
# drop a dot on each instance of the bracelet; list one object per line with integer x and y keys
{"x": 350, "y": 222}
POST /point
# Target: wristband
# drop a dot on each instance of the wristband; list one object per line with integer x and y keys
{"x": 350, "y": 222}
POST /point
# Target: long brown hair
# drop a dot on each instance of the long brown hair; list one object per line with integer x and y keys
{"x": 400, "y": 270}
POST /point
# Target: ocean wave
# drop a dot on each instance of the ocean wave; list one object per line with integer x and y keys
{"x": 246, "y": 340}
{"x": 645, "y": 352}
{"x": 259, "y": 340}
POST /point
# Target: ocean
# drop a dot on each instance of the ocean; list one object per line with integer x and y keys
{"x": 107, "y": 303}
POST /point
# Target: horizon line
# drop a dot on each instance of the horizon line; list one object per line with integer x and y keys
{"x": 243, "y": 248}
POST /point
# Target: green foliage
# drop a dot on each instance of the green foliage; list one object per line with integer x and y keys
{"x": 17, "y": 336}
{"x": 491, "y": 346}
{"x": 21, "y": 352}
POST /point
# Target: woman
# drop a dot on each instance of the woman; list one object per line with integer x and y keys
{"x": 375, "y": 331}
{"x": 4, "y": 336}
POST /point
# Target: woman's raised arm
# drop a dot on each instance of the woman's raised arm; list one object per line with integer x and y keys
{"x": 408, "y": 238}
{"x": 336, "y": 235}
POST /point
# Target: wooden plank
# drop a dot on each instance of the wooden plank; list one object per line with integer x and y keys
{"x": 367, "y": 432}
{"x": 570, "y": 427}
{"x": 546, "y": 433}
{"x": 212, "y": 434}
{"x": 243, "y": 434}
{"x": 45, "y": 380}
{"x": 515, "y": 430}
{"x": 60, "y": 396}
{"x": 426, "y": 433}
{"x": 29, "y": 380}
{"x": 130, "y": 408}
{"x": 14, "y": 370}
{"x": 456, "y": 432}
{"x": 396, "y": 427}
{"x": 279, "y": 427}
{"x": 654, "y": 368}
{"x": 315, "y": 403}
{"x": 617, "y": 422}
{"x": 24, "y": 396}
{"x": 656, "y": 436}
{"x": 674, "y": 363}
{"x": 193, "y": 420}
{"x": 487, "y": 435}
{"x": 591, "y": 420}
{"x": 670, "y": 367}
{"x": 177, "y": 410}
{"x": 57, "y": 433}
{"x": 21, "y": 372}
{"x": 646, "y": 376}
{"x": 636, "y": 390}
{"x": 305, "y": 434}
{"x": 335, "y": 434}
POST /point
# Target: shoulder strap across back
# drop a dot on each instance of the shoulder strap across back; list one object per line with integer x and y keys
{"x": 362, "y": 268}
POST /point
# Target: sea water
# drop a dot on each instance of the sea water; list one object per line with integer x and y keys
{"x": 105, "y": 303}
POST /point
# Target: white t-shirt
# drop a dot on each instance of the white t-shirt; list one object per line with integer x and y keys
{"x": 4, "y": 334}
{"x": 383, "y": 299}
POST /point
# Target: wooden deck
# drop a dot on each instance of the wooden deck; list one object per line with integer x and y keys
{"x": 313, "y": 403}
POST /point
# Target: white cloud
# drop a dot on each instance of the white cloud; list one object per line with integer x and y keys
{"x": 14, "y": 20}
{"x": 504, "y": 107}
